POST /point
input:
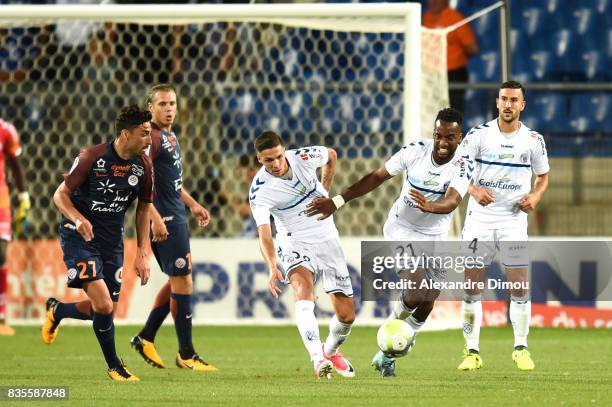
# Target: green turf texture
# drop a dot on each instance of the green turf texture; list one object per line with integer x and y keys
{"x": 269, "y": 366}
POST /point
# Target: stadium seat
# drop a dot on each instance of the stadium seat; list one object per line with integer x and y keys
{"x": 591, "y": 111}
{"x": 542, "y": 64}
{"x": 547, "y": 111}
{"x": 484, "y": 67}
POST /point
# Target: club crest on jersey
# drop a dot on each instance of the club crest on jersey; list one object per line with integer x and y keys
{"x": 133, "y": 180}
{"x": 100, "y": 165}
{"x": 180, "y": 263}
{"x": 525, "y": 157}
{"x": 72, "y": 273}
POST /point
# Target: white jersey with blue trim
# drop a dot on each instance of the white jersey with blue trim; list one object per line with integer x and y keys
{"x": 504, "y": 166}
{"x": 286, "y": 199}
{"x": 430, "y": 179}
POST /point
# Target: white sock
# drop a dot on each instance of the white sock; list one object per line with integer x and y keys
{"x": 414, "y": 324}
{"x": 338, "y": 332}
{"x": 309, "y": 328}
{"x": 399, "y": 310}
{"x": 471, "y": 312}
{"x": 520, "y": 316}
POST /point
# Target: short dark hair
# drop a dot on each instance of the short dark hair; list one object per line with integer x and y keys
{"x": 131, "y": 117}
{"x": 160, "y": 87}
{"x": 513, "y": 85}
{"x": 450, "y": 115}
{"x": 268, "y": 139}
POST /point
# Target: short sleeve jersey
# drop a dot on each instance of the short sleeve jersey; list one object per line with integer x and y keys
{"x": 286, "y": 199}
{"x": 104, "y": 185}
{"x": 168, "y": 167}
{"x": 431, "y": 180}
{"x": 505, "y": 166}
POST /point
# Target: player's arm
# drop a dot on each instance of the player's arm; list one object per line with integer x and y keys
{"x": 62, "y": 200}
{"x": 530, "y": 201}
{"x": 266, "y": 245}
{"x": 327, "y": 206}
{"x": 448, "y": 203}
{"x": 196, "y": 209}
{"x": 141, "y": 263}
{"x": 329, "y": 170}
{"x": 21, "y": 219}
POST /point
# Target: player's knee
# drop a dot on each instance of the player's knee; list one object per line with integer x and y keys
{"x": 182, "y": 284}
{"x": 347, "y": 316}
{"x": 104, "y": 306}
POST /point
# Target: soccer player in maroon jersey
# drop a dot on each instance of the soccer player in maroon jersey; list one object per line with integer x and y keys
{"x": 101, "y": 185}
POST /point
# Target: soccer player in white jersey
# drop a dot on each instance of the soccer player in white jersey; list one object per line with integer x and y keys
{"x": 307, "y": 249}
{"x": 436, "y": 178}
{"x": 507, "y": 153}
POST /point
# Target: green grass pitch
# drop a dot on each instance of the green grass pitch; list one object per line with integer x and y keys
{"x": 269, "y": 366}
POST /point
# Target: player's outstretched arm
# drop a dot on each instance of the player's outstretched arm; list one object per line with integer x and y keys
{"x": 329, "y": 170}
{"x": 62, "y": 200}
{"x": 531, "y": 200}
{"x": 266, "y": 245}
{"x": 197, "y": 210}
{"x": 141, "y": 263}
{"x": 21, "y": 219}
{"x": 327, "y": 206}
{"x": 448, "y": 203}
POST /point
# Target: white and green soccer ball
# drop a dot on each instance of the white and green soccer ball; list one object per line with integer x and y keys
{"x": 395, "y": 337}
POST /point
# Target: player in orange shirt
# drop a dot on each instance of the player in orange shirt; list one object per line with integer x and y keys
{"x": 9, "y": 151}
{"x": 461, "y": 44}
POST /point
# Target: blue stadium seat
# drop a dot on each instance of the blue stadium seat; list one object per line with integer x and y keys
{"x": 547, "y": 111}
{"x": 542, "y": 64}
{"x": 484, "y": 67}
{"x": 591, "y": 111}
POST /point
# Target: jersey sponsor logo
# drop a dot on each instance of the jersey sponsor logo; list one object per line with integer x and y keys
{"x": 178, "y": 184}
{"x": 120, "y": 170}
{"x": 180, "y": 263}
{"x": 72, "y": 273}
{"x": 504, "y": 183}
{"x": 168, "y": 218}
{"x": 177, "y": 159}
{"x": 435, "y": 174}
{"x": 431, "y": 183}
{"x": 106, "y": 187}
{"x": 409, "y": 203}
{"x": 507, "y": 146}
{"x": 133, "y": 180}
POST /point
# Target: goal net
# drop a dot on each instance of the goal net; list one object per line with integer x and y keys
{"x": 362, "y": 78}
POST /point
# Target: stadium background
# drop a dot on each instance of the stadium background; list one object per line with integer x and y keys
{"x": 61, "y": 85}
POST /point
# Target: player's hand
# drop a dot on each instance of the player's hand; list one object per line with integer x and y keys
{"x": 21, "y": 220}
{"x": 85, "y": 229}
{"x": 274, "y": 275}
{"x": 482, "y": 195}
{"x": 323, "y": 206}
{"x": 201, "y": 215}
{"x": 528, "y": 203}
{"x": 418, "y": 198}
{"x": 141, "y": 265}
{"x": 159, "y": 229}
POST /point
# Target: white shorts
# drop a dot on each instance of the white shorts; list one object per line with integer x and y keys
{"x": 417, "y": 244}
{"x": 511, "y": 243}
{"x": 325, "y": 260}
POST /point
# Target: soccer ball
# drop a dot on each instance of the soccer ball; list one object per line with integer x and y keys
{"x": 395, "y": 337}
